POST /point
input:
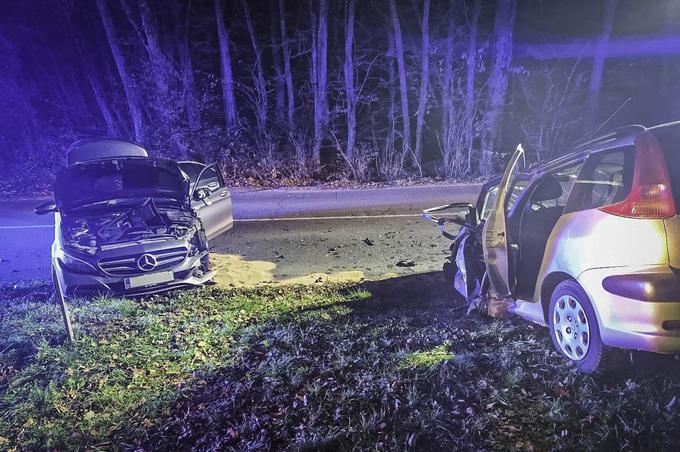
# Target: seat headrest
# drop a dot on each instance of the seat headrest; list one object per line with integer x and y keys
{"x": 548, "y": 189}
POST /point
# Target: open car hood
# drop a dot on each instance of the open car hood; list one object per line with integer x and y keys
{"x": 119, "y": 179}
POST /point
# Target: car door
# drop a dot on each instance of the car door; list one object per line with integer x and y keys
{"x": 213, "y": 205}
{"x": 495, "y": 238}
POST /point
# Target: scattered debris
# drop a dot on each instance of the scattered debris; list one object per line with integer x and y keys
{"x": 406, "y": 263}
{"x": 369, "y": 242}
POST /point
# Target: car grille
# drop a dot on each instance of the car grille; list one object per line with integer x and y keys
{"x": 127, "y": 265}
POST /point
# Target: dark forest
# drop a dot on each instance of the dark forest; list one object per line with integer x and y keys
{"x": 324, "y": 90}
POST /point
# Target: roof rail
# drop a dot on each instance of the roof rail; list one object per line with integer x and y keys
{"x": 618, "y": 133}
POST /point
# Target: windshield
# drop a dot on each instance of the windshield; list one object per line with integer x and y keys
{"x": 95, "y": 182}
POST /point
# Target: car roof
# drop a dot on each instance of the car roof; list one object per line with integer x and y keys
{"x": 91, "y": 150}
{"x": 621, "y": 137}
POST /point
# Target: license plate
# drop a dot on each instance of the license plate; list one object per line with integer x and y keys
{"x": 149, "y": 280}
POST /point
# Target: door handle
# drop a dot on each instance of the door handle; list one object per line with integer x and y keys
{"x": 224, "y": 194}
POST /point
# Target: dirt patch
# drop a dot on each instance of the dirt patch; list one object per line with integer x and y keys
{"x": 235, "y": 271}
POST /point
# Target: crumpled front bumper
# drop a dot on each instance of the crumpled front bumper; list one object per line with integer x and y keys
{"x": 76, "y": 285}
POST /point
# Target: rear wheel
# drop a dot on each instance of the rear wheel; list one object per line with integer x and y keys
{"x": 573, "y": 326}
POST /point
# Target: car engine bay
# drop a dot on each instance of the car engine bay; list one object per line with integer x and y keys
{"x": 97, "y": 229}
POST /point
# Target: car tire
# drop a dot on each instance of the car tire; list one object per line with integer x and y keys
{"x": 574, "y": 330}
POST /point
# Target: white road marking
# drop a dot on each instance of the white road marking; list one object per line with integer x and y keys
{"x": 345, "y": 217}
{"x": 27, "y": 226}
{"x": 263, "y": 220}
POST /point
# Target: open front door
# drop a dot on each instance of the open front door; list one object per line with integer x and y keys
{"x": 495, "y": 241}
{"x": 214, "y": 203}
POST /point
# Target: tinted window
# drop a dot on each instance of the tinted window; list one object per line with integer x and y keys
{"x": 606, "y": 179}
{"x": 192, "y": 170}
{"x": 210, "y": 179}
{"x": 490, "y": 197}
{"x": 553, "y": 189}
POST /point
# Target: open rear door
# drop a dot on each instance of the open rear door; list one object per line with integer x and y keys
{"x": 495, "y": 242}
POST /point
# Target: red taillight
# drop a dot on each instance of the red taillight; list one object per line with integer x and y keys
{"x": 651, "y": 196}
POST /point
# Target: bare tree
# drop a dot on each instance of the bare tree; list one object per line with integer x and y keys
{"x": 279, "y": 83}
{"x": 403, "y": 86}
{"x": 498, "y": 79}
{"x": 230, "y": 113}
{"x": 285, "y": 46}
{"x": 471, "y": 66}
{"x": 598, "y": 62}
{"x": 133, "y": 102}
{"x": 350, "y": 92}
{"x": 189, "y": 97}
{"x": 424, "y": 79}
{"x": 261, "y": 103}
{"x": 319, "y": 75}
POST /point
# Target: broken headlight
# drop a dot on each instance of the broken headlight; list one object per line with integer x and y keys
{"x": 74, "y": 264}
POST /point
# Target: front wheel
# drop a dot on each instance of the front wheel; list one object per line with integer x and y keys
{"x": 573, "y": 326}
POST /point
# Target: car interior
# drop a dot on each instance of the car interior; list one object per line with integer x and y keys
{"x": 537, "y": 217}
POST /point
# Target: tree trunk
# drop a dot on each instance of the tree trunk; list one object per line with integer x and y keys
{"x": 471, "y": 71}
{"x": 262, "y": 105}
{"x": 279, "y": 83}
{"x": 103, "y": 105}
{"x": 498, "y": 80}
{"x": 230, "y": 114}
{"x": 188, "y": 80}
{"x": 320, "y": 77}
{"x": 446, "y": 136}
{"x": 403, "y": 87}
{"x": 285, "y": 46}
{"x": 159, "y": 62}
{"x": 598, "y": 63}
{"x": 126, "y": 80}
{"x": 424, "y": 79}
{"x": 350, "y": 93}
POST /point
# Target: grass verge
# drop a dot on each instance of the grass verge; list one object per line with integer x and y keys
{"x": 370, "y": 367}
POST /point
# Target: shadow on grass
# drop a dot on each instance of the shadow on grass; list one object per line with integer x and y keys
{"x": 406, "y": 369}
{"x": 390, "y": 365}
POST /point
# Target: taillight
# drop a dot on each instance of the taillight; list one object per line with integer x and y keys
{"x": 651, "y": 196}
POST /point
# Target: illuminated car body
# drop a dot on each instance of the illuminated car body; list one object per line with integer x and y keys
{"x": 589, "y": 243}
{"x": 128, "y": 224}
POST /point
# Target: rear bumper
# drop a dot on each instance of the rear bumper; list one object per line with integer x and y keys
{"x": 74, "y": 285}
{"x": 650, "y": 321}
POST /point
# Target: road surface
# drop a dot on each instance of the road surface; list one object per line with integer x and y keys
{"x": 283, "y": 235}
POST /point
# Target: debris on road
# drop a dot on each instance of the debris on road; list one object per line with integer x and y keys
{"x": 406, "y": 263}
{"x": 369, "y": 242}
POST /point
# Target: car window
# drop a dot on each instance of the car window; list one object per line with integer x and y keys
{"x": 553, "y": 189}
{"x": 192, "y": 170}
{"x": 606, "y": 179}
{"x": 490, "y": 197}
{"x": 210, "y": 179}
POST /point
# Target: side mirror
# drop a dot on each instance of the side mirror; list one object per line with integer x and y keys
{"x": 45, "y": 208}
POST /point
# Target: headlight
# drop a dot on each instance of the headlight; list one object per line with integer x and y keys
{"x": 74, "y": 264}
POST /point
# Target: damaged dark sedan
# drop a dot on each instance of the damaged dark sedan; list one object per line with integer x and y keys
{"x": 128, "y": 224}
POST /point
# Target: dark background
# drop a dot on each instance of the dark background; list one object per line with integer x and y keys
{"x": 59, "y": 83}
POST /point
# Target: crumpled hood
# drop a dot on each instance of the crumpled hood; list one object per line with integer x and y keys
{"x": 125, "y": 178}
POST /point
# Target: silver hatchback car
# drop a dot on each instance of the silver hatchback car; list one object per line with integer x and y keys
{"x": 587, "y": 244}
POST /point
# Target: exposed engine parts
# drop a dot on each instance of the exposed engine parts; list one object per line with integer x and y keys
{"x": 144, "y": 221}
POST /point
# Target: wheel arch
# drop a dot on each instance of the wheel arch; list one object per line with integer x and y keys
{"x": 548, "y": 286}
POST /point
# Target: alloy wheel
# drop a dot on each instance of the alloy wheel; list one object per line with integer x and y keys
{"x": 571, "y": 327}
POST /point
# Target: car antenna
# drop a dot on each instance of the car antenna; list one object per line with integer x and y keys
{"x": 591, "y": 134}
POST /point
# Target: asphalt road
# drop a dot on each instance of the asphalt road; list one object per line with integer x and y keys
{"x": 283, "y": 234}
